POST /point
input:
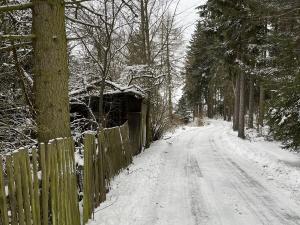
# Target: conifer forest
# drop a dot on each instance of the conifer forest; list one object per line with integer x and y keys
{"x": 161, "y": 112}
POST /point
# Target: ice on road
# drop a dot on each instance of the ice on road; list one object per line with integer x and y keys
{"x": 205, "y": 175}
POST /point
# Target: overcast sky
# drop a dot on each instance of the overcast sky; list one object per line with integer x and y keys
{"x": 188, "y": 15}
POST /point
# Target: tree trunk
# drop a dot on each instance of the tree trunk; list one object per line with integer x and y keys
{"x": 169, "y": 81}
{"x": 236, "y": 104}
{"x": 210, "y": 103}
{"x": 102, "y": 122}
{"x": 51, "y": 73}
{"x": 261, "y": 105}
{"x": 144, "y": 51}
{"x": 251, "y": 102}
{"x": 229, "y": 113}
{"x": 148, "y": 123}
{"x": 225, "y": 103}
{"x": 241, "y": 131}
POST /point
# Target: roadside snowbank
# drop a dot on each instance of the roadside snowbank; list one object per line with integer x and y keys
{"x": 276, "y": 164}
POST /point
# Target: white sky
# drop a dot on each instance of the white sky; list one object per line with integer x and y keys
{"x": 188, "y": 16}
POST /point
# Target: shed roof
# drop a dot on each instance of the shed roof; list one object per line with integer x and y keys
{"x": 111, "y": 88}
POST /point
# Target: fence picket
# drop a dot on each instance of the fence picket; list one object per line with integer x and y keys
{"x": 17, "y": 175}
{"x": 3, "y": 201}
{"x": 11, "y": 190}
{"x": 45, "y": 183}
{"x": 36, "y": 196}
{"x": 54, "y": 199}
{"x": 25, "y": 186}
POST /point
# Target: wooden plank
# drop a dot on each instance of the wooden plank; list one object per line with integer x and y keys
{"x": 68, "y": 171}
{"x": 3, "y": 201}
{"x": 25, "y": 186}
{"x": 87, "y": 196}
{"x": 60, "y": 178}
{"x": 11, "y": 190}
{"x": 109, "y": 157}
{"x": 36, "y": 194}
{"x": 101, "y": 149}
{"x": 96, "y": 178}
{"x": 126, "y": 143}
{"x": 30, "y": 187}
{"x": 17, "y": 175}
{"x": 92, "y": 169}
{"x": 76, "y": 220}
{"x": 52, "y": 157}
{"x": 45, "y": 184}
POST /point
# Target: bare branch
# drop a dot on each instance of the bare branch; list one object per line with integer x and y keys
{"x": 13, "y": 37}
{"x": 11, "y": 47}
{"x": 9, "y": 8}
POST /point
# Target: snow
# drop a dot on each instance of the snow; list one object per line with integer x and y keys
{"x": 117, "y": 88}
{"x": 206, "y": 175}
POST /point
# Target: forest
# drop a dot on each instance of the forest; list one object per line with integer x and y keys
{"x": 243, "y": 63}
{"x": 117, "y": 112}
{"x": 50, "y": 53}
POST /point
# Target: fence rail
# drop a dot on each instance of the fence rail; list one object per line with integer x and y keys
{"x": 40, "y": 187}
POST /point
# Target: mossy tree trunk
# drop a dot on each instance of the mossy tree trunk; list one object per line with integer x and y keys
{"x": 51, "y": 73}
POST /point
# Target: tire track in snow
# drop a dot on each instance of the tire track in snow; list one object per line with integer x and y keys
{"x": 259, "y": 193}
{"x": 193, "y": 173}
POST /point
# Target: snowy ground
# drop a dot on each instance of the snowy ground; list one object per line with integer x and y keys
{"x": 206, "y": 175}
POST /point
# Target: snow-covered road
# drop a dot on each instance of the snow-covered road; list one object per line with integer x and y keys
{"x": 205, "y": 175}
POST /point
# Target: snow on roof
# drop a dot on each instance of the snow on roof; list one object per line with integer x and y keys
{"x": 114, "y": 88}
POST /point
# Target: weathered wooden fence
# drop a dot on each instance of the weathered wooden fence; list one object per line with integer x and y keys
{"x": 105, "y": 155}
{"x": 39, "y": 187}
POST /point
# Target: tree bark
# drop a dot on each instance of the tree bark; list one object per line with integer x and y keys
{"x": 169, "y": 81}
{"x": 210, "y": 103}
{"x": 261, "y": 105}
{"x": 148, "y": 123}
{"x": 51, "y": 73}
{"x": 241, "y": 131}
{"x": 251, "y": 102}
{"x": 236, "y": 104}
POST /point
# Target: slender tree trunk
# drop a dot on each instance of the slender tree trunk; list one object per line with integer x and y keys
{"x": 225, "y": 109}
{"x": 251, "y": 103}
{"x": 51, "y": 73}
{"x": 102, "y": 123}
{"x": 148, "y": 123}
{"x": 143, "y": 34}
{"x": 261, "y": 105}
{"x": 169, "y": 81}
{"x": 229, "y": 113}
{"x": 236, "y": 104}
{"x": 210, "y": 103}
{"x": 146, "y": 60}
{"x": 241, "y": 131}
{"x": 147, "y": 32}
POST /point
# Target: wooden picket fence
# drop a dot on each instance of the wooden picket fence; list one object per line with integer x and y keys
{"x": 40, "y": 187}
{"x": 105, "y": 155}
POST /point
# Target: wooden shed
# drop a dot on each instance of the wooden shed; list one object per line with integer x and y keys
{"x": 119, "y": 106}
